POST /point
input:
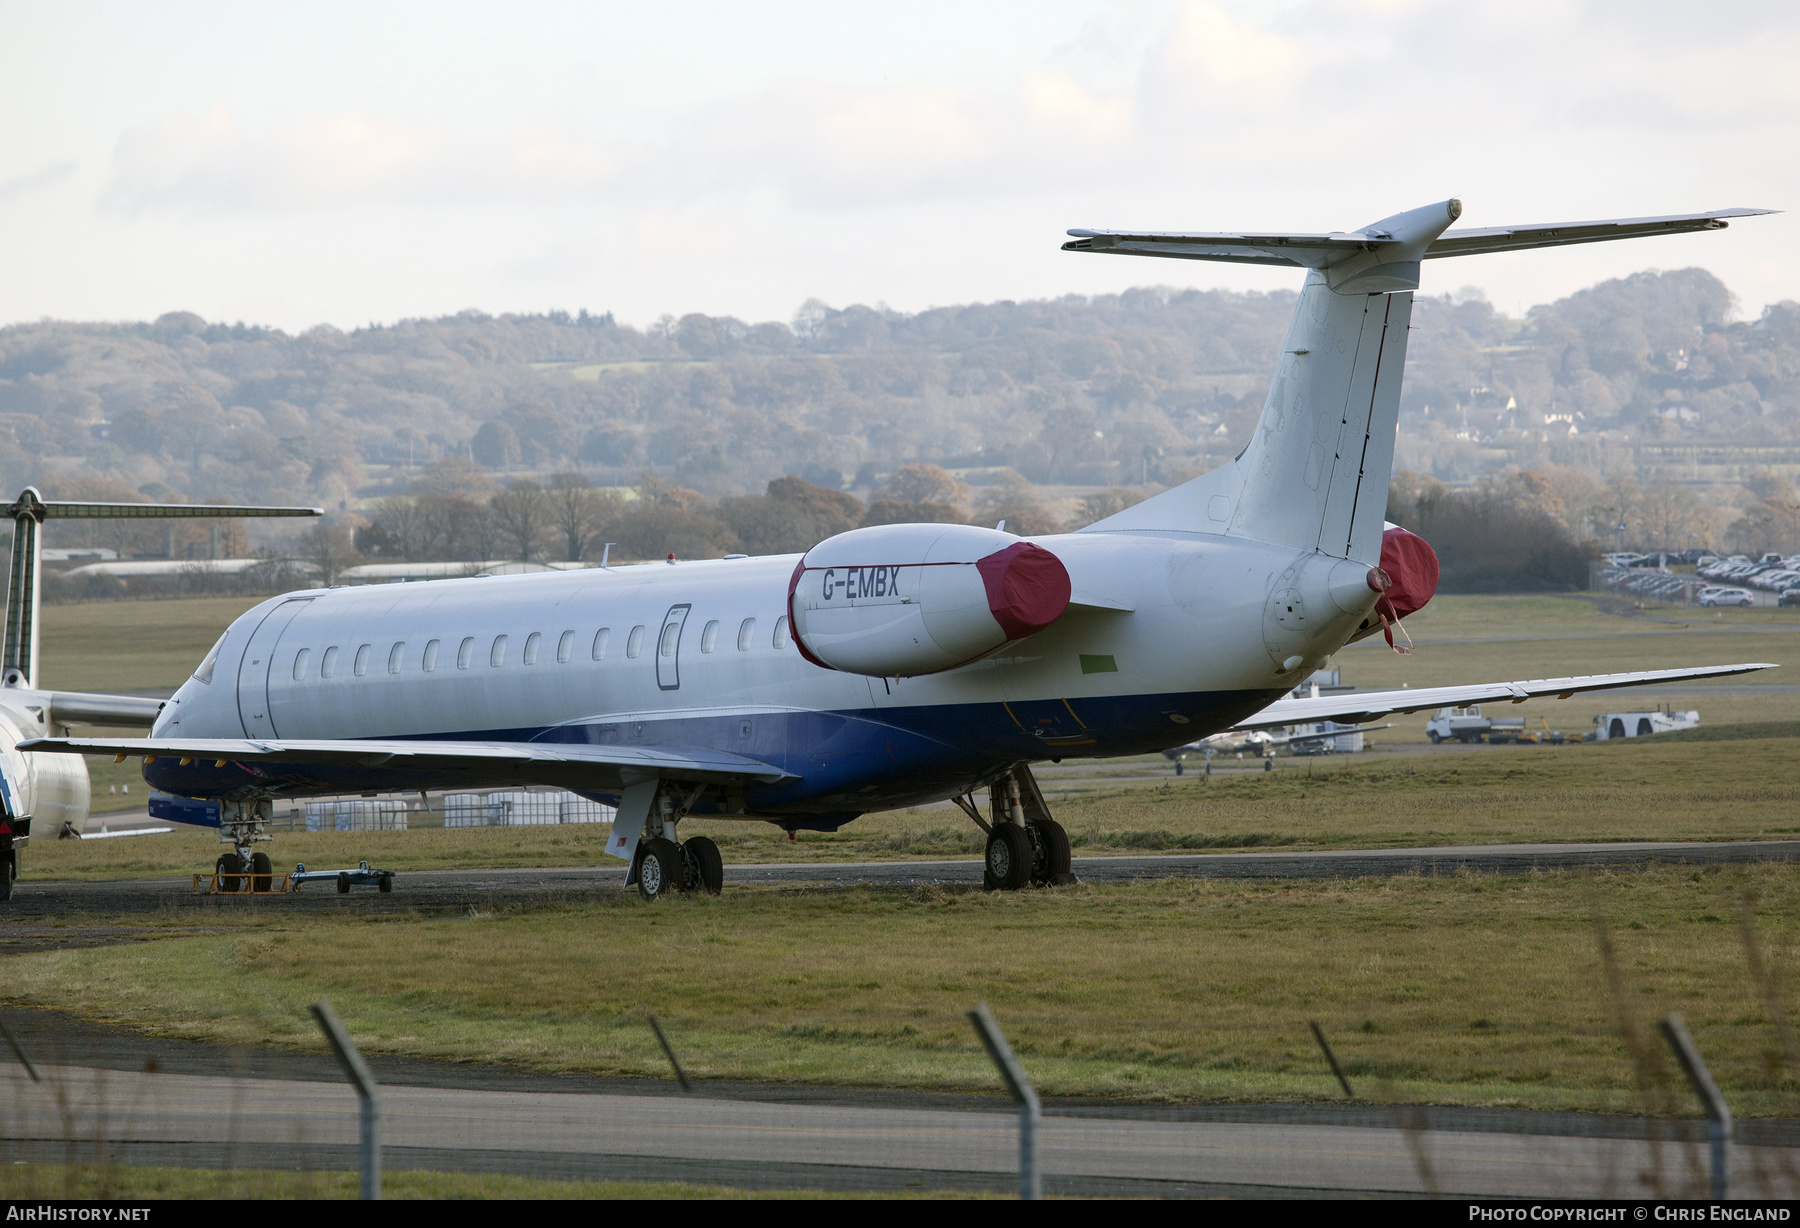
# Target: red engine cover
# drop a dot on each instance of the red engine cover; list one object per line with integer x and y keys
{"x": 1412, "y": 566}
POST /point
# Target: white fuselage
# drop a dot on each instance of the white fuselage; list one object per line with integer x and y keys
{"x": 701, "y": 654}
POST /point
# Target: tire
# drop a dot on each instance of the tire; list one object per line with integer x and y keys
{"x": 262, "y": 872}
{"x": 385, "y": 884}
{"x": 230, "y": 868}
{"x": 1007, "y": 866}
{"x": 1433, "y": 735}
{"x": 1744, "y": 604}
{"x": 660, "y": 869}
{"x": 343, "y": 883}
{"x": 1053, "y": 861}
{"x": 705, "y": 867}
{"x": 9, "y": 870}
{"x": 1178, "y": 767}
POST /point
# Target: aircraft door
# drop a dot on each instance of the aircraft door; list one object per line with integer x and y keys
{"x": 668, "y": 648}
{"x": 253, "y": 670}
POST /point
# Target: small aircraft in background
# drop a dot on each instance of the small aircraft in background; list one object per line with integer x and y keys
{"x": 53, "y": 791}
{"x": 888, "y": 666}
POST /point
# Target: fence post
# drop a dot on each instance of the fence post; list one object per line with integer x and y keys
{"x": 1718, "y": 1113}
{"x": 669, "y": 1052}
{"x": 1030, "y": 1186}
{"x": 1330, "y": 1057}
{"x": 358, "y": 1070}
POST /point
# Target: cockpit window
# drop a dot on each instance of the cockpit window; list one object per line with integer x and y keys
{"x": 204, "y": 673}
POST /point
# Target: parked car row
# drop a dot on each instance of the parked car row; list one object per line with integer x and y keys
{"x": 1771, "y": 573}
{"x": 1650, "y": 585}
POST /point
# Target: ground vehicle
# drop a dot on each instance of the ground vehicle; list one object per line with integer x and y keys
{"x": 1727, "y": 596}
{"x": 1469, "y": 725}
{"x": 1608, "y": 725}
{"x": 1789, "y": 599}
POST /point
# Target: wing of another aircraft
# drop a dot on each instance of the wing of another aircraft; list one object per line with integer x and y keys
{"x": 563, "y": 764}
{"x": 1369, "y": 705}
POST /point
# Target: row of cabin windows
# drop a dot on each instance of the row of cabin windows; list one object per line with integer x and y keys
{"x": 565, "y": 648}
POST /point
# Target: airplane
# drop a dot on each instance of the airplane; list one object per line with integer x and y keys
{"x": 1261, "y": 741}
{"x": 887, "y": 666}
{"x": 52, "y": 791}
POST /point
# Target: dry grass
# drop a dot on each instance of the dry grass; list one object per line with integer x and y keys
{"x": 92, "y": 1181}
{"x": 1458, "y": 989}
{"x": 1631, "y": 790}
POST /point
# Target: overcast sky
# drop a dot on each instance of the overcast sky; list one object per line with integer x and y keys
{"x": 293, "y": 164}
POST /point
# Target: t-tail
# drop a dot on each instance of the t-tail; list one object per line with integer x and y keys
{"x": 1315, "y": 475}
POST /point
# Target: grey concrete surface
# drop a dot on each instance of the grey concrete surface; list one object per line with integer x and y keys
{"x": 232, "y": 1121}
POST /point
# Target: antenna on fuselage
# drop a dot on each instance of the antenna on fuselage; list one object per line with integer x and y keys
{"x": 19, "y": 649}
{"x": 605, "y": 553}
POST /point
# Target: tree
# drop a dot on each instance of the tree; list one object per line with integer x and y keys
{"x": 925, "y": 484}
{"x": 576, "y": 510}
{"x": 793, "y": 515}
{"x": 495, "y": 445}
{"x": 1014, "y": 501}
{"x": 328, "y": 548}
{"x": 522, "y": 514}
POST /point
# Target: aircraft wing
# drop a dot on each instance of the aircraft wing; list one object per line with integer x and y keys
{"x": 81, "y": 708}
{"x": 1369, "y": 705}
{"x": 571, "y": 765}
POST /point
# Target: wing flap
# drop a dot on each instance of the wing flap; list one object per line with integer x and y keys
{"x": 1370, "y": 705}
{"x": 560, "y": 763}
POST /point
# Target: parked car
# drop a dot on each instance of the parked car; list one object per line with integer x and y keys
{"x": 1789, "y": 599}
{"x": 1726, "y": 596}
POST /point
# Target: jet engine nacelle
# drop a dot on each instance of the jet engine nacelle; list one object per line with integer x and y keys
{"x": 904, "y": 599}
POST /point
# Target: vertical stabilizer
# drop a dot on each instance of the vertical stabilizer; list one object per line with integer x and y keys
{"x": 1315, "y": 474}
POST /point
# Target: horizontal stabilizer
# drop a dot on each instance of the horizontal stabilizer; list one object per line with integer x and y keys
{"x": 1321, "y": 251}
{"x": 1371, "y": 705}
{"x": 564, "y": 764}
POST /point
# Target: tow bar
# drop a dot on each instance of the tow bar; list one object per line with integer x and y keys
{"x": 364, "y": 874}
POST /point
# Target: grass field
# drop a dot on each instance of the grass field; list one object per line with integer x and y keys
{"x": 1602, "y": 791}
{"x": 1458, "y": 989}
{"x": 93, "y": 1181}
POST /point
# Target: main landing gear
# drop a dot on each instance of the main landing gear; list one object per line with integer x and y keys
{"x": 1025, "y": 845}
{"x": 666, "y": 863}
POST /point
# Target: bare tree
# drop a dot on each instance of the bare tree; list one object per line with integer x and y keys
{"x": 329, "y": 549}
{"x": 576, "y": 510}
{"x": 522, "y": 515}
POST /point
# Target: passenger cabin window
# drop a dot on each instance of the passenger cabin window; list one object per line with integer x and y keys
{"x": 634, "y": 643}
{"x": 671, "y": 634}
{"x": 781, "y": 634}
{"x": 394, "y": 654}
{"x": 709, "y": 638}
{"x": 430, "y": 661}
{"x": 465, "y": 652}
{"x": 362, "y": 659}
{"x": 205, "y": 672}
{"x": 300, "y": 660}
{"x": 328, "y": 666}
{"x": 497, "y": 654}
{"x": 600, "y": 638}
{"x": 565, "y": 648}
{"x": 746, "y": 634}
{"x": 531, "y": 646}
